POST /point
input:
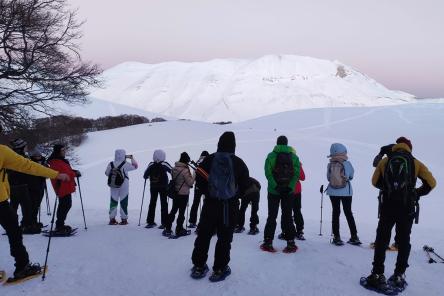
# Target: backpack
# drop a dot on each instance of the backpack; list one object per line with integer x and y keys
{"x": 221, "y": 180}
{"x": 171, "y": 188}
{"x": 116, "y": 176}
{"x": 283, "y": 170}
{"x": 399, "y": 176}
{"x": 157, "y": 174}
{"x": 338, "y": 179}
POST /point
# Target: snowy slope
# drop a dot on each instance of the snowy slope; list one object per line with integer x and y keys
{"x": 237, "y": 90}
{"x": 131, "y": 260}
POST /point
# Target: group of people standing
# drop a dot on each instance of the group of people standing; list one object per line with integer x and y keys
{"x": 224, "y": 180}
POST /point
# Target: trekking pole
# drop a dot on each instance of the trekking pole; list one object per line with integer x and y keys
{"x": 48, "y": 207}
{"x": 81, "y": 202}
{"x": 49, "y": 238}
{"x": 186, "y": 221}
{"x": 322, "y": 202}
{"x": 143, "y": 197}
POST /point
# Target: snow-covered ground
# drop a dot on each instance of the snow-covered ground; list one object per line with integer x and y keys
{"x": 242, "y": 89}
{"x": 131, "y": 260}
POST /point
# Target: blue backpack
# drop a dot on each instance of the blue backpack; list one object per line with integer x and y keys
{"x": 221, "y": 182}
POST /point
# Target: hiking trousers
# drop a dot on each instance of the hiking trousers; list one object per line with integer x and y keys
{"x": 252, "y": 198}
{"x": 286, "y": 201}
{"x": 346, "y": 205}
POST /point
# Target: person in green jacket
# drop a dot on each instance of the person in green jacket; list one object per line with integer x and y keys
{"x": 282, "y": 170}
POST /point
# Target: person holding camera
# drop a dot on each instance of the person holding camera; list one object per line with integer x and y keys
{"x": 118, "y": 181}
{"x": 282, "y": 169}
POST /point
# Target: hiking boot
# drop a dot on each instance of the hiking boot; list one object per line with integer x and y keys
{"x": 192, "y": 225}
{"x": 161, "y": 226}
{"x": 220, "y": 274}
{"x": 300, "y": 235}
{"x": 291, "y": 247}
{"x": 267, "y": 246}
{"x": 63, "y": 230}
{"x": 151, "y": 225}
{"x": 377, "y": 281}
{"x": 182, "y": 232}
{"x": 199, "y": 272}
{"x": 113, "y": 221}
{"x": 31, "y": 229}
{"x": 354, "y": 240}
{"x": 28, "y": 270}
{"x": 336, "y": 240}
{"x": 239, "y": 229}
{"x": 281, "y": 236}
{"x": 397, "y": 280}
{"x": 167, "y": 232}
{"x": 124, "y": 222}
{"x": 253, "y": 230}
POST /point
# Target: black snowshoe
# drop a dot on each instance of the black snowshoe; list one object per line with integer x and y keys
{"x": 377, "y": 282}
{"x": 179, "y": 233}
{"x": 354, "y": 240}
{"x": 397, "y": 282}
{"x": 199, "y": 272}
{"x": 192, "y": 225}
{"x": 239, "y": 229}
{"x": 300, "y": 236}
{"x": 253, "y": 231}
{"x": 150, "y": 225}
{"x": 220, "y": 274}
{"x": 167, "y": 233}
{"x": 63, "y": 231}
{"x": 337, "y": 241}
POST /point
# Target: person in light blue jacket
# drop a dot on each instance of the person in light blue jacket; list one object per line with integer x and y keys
{"x": 339, "y": 175}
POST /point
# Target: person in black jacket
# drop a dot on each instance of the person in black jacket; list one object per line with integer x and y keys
{"x": 252, "y": 195}
{"x": 197, "y": 195}
{"x": 157, "y": 173}
{"x": 37, "y": 187}
{"x": 19, "y": 184}
{"x": 218, "y": 216}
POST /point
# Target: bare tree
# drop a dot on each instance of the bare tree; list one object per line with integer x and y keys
{"x": 40, "y": 60}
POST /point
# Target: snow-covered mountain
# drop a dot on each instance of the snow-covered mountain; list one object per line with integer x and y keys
{"x": 240, "y": 89}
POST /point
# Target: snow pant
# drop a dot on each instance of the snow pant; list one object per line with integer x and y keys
{"x": 297, "y": 214}
{"x": 162, "y": 192}
{"x": 195, "y": 207}
{"x": 252, "y": 198}
{"x": 180, "y": 203}
{"x": 63, "y": 208}
{"x": 36, "y": 194}
{"x": 286, "y": 201}
{"x": 218, "y": 218}
{"x": 119, "y": 195}
{"x": 20, "y": 197}
{"x": 346, "y": 205}
{"x": 9, "y": 221}
{"x": 403, "y": 219}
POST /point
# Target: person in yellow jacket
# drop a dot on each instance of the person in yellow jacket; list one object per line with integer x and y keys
{"x": 396, "y": 176}
{"x": 9, "y": 160}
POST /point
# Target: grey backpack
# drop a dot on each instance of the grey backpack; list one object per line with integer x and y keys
{"x": 338, "y": 179}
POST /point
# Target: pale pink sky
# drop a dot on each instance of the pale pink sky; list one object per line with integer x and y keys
{"x": 400, "y": 43}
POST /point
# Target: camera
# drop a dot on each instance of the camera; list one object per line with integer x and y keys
{"x": 129, "y": 156}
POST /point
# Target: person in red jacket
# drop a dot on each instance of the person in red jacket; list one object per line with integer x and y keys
{"x": 63, "y": 190}
{"x": 297, "y": 205}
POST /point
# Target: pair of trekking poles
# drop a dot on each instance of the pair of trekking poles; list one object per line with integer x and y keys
{"x": 52, "y": 223}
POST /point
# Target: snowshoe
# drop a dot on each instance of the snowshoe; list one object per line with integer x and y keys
{"x": 30, "y": 271}
{"x": 220, "y": 274}
{"x": 192, "y": 225}
{"x": 239, "y": 229}
{"x": 31, "y": 229}
{"x": 354, "y": 240}
{"x": 337, "y": 241}
{"x": 398, "y": 282}
{"x": 281, "y": 236}
{"x": 113, "y": 221}
{"x": 290, "y": 248}
{"x": 167, "y": 232}
{"x": 199, "y": 272}
{"x": 64, "y": 231}
{"x": 253, "y": 231}
{"x": 161, "y": 226}
{"x": 300, "y": 236}
{"x": 150, "y": 225}
{"x": 268, "y": 247}
{"x": 180, "y": 233}
{"x": 377, "y": 283}
{"x": 124, "y": 222}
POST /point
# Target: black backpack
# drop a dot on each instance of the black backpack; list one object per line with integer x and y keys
{"x": 157, "y": 174}
{"x": 171, "y": 189}
{"x": 221, "y": 181}
{"x": 399, "y": 177}
{"x": 116, "y": 176}
{"x": 283, "y": 170}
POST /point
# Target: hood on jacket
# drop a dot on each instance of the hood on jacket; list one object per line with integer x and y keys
{"x": 159, "y": 155}
{"x": 283, "y": 148}
{"x": 402, "y": 146}
{"x": 179, "y": 164}
{"x": 227, "y": 143}
{"x": 337, "y": 148}
{"x": 119, "y": 155}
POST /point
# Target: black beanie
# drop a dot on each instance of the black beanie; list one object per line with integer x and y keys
{"x": 57, "y": 148}
{"x": 227, "y": 143}
{"x": 184, "y": 157}
{"x": 282, "y": 140}
{"x": 204, "y": 153}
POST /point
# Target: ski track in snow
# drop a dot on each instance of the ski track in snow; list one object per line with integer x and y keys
{"x": 132, "y": 260}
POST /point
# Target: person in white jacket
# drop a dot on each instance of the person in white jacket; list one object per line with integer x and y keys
{"x": 120, "y": 193}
